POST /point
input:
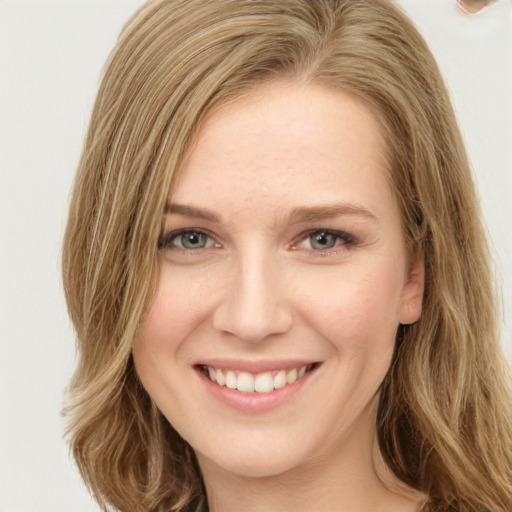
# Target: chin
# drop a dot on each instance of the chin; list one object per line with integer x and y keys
{"x": 262, "y": 460}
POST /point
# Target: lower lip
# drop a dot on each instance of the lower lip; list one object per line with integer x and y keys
{"x": 256, "y": 403}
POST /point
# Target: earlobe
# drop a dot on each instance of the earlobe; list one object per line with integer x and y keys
{"x": 412, "y": 293}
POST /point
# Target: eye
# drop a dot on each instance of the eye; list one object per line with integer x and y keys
{"x": 324, "y": 240}
{"x": 187, "y": 240}
{"x": 321, "y": 240}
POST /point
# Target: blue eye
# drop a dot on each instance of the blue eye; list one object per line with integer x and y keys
{"x": 189, "y": 240}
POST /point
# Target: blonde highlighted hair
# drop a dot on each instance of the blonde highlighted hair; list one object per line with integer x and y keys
{"x": 445, "y": 418}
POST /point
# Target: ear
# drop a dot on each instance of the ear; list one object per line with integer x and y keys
{"x": 412, "y": 292}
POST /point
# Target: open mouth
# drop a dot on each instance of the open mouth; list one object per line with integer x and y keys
{"x": 264, "y": 382}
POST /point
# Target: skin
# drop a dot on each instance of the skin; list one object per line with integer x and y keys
{"x": 269, "y": 168}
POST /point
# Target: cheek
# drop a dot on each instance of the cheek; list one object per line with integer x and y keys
{"x": 160, "y": 353}
{"x": 154, "y": 346}
{"x": 358, "y": 310}
{"x": 178, "y": 307}
{"x": 162, "y": 330}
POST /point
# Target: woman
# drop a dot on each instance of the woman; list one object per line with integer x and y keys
{"x": 277, "y": 272}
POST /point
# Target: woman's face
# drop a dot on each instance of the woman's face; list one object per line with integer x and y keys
{"x": 284, "y": 276}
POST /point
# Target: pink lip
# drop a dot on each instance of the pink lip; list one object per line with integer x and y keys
{"x": 255, "y": 403}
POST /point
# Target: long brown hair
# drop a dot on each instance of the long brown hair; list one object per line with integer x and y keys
{"x": 445, "y": 419}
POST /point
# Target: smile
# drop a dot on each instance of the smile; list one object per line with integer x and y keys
{"x": 264, "y": 382}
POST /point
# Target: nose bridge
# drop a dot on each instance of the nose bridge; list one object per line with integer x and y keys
{"x": 254, "y": 305}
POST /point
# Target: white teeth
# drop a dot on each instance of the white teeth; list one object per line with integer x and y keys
{"x": 265, "y": 382}
{"x": 219, "y": 377}
{"x": 231, "y": 380}
{"x": 291, "y": 376}
{"x": 280, "y": 380}
{"x": 245, "y": 382}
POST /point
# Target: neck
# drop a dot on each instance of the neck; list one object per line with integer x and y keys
{"x": 351, "y": 477}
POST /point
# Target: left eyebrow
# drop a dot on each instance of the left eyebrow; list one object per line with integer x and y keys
{"x": 323, "y": 212}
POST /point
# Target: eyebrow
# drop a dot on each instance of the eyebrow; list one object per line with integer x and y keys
{"x": 191, "y": 211}
{"x": 329, "y": 211}
{"x": 297, "y": 215}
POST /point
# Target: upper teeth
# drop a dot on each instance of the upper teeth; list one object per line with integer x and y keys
{"x": 261, "y": 383}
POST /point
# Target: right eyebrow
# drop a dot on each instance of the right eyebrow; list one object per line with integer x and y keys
{"x": 191, "y": 211}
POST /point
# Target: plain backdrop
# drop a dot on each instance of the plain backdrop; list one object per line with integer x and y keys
{"x": 51, "y": 56}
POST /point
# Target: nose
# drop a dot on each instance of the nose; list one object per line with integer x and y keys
{"x": 254, "y": 303}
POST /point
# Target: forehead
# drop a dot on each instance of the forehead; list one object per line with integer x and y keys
{"x": 282, "y": 145}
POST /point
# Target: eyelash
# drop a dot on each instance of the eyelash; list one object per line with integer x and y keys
{"x": 342, "y": 239}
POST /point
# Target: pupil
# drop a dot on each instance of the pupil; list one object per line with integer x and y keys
{"x": 192, "y": 240}
{"x": 323, "y": 241}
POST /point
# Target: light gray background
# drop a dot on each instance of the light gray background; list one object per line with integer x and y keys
{"x": 51, "y": 54}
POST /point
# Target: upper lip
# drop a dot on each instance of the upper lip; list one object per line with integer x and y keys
{"x": 254, "y": 366}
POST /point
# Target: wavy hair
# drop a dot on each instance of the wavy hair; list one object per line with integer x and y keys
{"x": 444, "y": 420}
